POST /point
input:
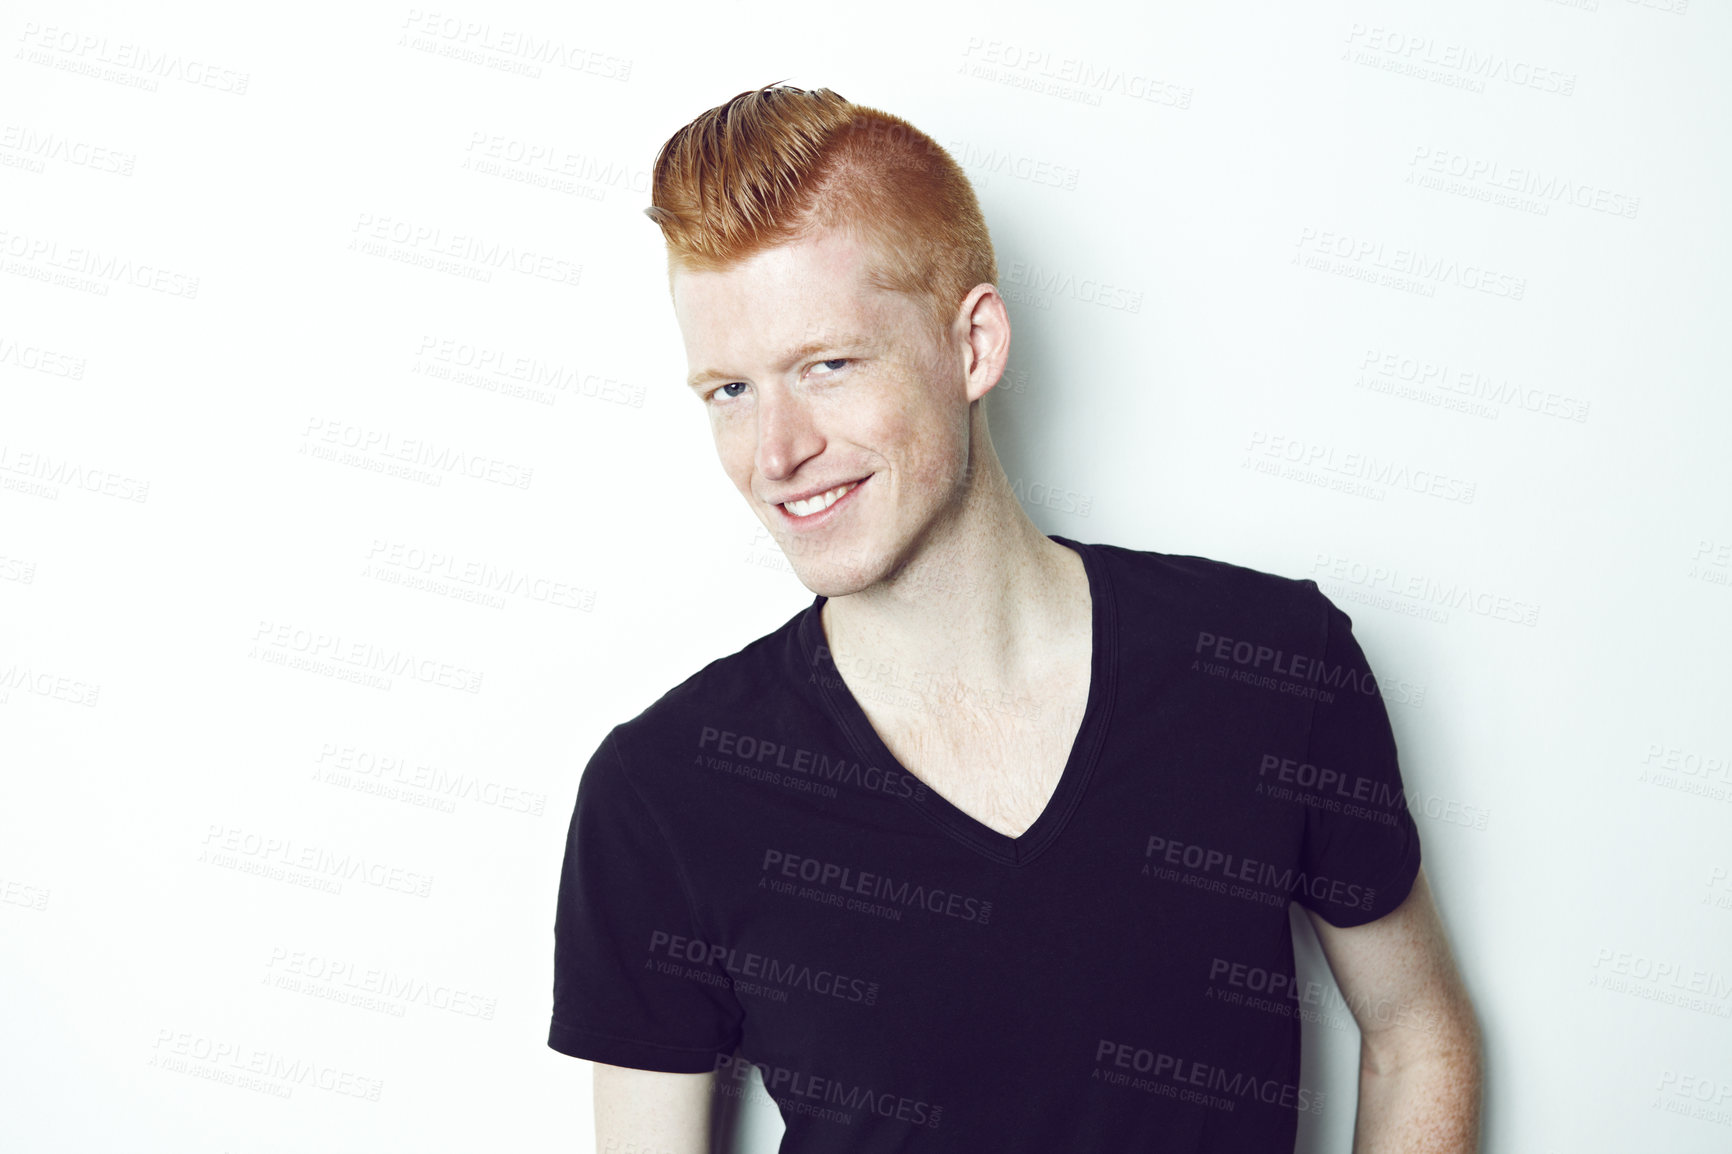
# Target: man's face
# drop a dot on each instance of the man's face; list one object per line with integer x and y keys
{"x": 815, "y": 380}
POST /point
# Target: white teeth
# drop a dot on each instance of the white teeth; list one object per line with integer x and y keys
{"x": 815, "y": 504}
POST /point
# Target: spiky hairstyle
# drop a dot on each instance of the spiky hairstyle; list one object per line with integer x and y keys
{"x": 776, "y": 164}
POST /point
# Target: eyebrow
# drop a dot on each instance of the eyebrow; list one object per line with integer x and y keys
{"x": 705, "y": 376}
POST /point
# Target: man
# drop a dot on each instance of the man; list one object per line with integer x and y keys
{"x": 1035, "y": 898}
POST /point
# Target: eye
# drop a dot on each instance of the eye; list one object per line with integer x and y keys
{"x": 837, "y": 364}
{"x": 730, "y": 385}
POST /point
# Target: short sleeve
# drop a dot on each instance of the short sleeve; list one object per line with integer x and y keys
{"x": 621, "y": 891}
{"x": 1361, "y": 847}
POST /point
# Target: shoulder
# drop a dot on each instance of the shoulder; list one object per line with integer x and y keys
{"x": 734, "y": 692}
{"x": 1205, "y": 586}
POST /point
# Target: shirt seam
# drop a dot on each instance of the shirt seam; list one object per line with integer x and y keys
{"x": 1305, "y": 820}
{"x": 1322, "y": 655}
{"x": 634, "y": 1041}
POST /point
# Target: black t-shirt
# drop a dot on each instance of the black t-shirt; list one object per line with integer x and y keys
{"x": 752, "y": 879}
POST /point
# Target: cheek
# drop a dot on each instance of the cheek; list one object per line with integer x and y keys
{"x": 734, "y": 447}
{"x": 931, "y": 439}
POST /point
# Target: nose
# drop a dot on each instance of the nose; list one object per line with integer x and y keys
{"x": 788, "y": 433}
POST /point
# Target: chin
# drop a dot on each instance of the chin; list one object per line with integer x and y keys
{"x": 826, "y": 580}
{"x": 826, "y": 584}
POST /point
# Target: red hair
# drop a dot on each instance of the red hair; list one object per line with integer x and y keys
{"x": 775, "y": 164}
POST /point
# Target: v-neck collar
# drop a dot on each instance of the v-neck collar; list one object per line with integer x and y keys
{"x": 840, "y": 702}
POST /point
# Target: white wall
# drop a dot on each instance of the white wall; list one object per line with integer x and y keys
{"x": 195, "y": 571}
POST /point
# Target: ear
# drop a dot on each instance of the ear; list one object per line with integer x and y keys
{"x": 984, "y": 328}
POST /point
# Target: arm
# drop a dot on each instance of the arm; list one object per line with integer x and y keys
{"x": 1419, "y": 1059}
{"x": 649, "y": 1112}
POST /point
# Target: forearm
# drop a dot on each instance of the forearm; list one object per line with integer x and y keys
{"x": 1424, "y": 1102}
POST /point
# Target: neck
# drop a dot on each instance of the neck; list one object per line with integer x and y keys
{"x": 984, "y": 598}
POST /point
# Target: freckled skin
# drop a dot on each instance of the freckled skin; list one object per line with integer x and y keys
{"x": 899, "y": 410}
{"x": 1421, "y": 1051}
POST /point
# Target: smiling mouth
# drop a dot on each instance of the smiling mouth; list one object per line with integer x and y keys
{"x": 821, "y": 502}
